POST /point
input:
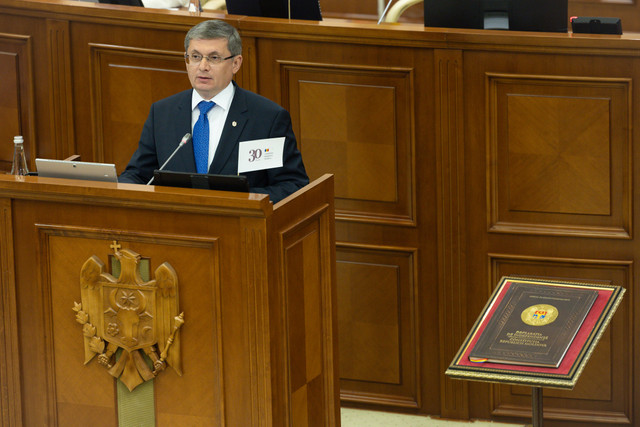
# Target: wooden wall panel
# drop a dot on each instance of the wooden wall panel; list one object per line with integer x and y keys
{"x": 355, "y": 122}
{"x": 559, "y": 155}
{"x": 117, "y": 73}
{"x": 450, "y": 179}
{"x": 378, "y": 328}
{"x": 554, "y": 149}
{"x": 61, "y": 100}
{"x": 126, "y": 81}
{"x": 16, "y": 95}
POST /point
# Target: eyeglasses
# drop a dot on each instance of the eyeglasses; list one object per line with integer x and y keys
{"x": 196, "y": 58}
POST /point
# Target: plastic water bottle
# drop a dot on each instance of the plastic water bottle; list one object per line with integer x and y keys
{"x": 195, "y": 6}
{"x": 19, "y": 165}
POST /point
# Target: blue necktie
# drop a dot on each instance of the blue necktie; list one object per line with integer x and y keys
{"x": 201, "y": 137}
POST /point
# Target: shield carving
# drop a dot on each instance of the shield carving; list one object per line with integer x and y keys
{"x": 127, "y": 313}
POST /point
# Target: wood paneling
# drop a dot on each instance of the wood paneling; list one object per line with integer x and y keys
{"x": 16, "y": 95}
{"x": 231, "y": 287}
{"x": 451, "y": 255}
{"x": 557, "y": 162}
{"x": 10, "y": 400}
{"x": 377, "y": 312}
{"x": 126, "y": 81}
{"x": 86, "y": 395}
{"x": 305, "y": 312}
{"x": 117, "y": 73}
{"x": 459, "y": 156}
{"x": 367, "y": 129}
{"x": 61, "y": 101}
{"x": 310, "y": 312}
{"x": 559, "y": 155}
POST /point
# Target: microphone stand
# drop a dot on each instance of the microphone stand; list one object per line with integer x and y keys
{"x": 384, "y": 12}
{"x": 184, "y": 140}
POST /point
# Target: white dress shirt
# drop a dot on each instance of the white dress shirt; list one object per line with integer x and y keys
{"x": 217, "y": 115}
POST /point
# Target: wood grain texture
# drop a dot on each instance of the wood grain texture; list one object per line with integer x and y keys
{"x": 226, "y": 271}
{"x": 16, "y": 96}
{"x": 307, "y": 267}
{"x": 448, "y": 147}
{"x": 367, "y": 129}
{"x": 126, "y": 81}
{"x": 10, "y": 392}
{"x": 61, "y": 106}
{"x": 559, "y": 152}
{"x": 378, "y": 312}
{"x": 450, "y": 171}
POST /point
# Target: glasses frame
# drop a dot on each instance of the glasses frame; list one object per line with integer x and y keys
{"x": 189, "y": 60}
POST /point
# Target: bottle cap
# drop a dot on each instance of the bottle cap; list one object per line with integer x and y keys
{"x": 18, "y": 139}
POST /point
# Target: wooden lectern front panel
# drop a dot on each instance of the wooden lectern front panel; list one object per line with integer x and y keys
{"x": 177, "y": 306}
{"x": 193, "y": 398}
{"x": 52, "y": 353}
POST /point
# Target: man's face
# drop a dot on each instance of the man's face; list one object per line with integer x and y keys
{"x": 207, "y": 78}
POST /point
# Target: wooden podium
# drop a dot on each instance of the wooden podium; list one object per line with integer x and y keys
{"x": 255, "y": 281}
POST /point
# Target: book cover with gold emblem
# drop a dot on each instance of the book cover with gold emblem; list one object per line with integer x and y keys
{"x": 533, "y": 325}
{"x": 514, "y": 309}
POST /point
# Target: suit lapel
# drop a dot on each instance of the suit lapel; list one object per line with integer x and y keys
{"x": 228, "y": 145}
{"x": 184, "y": 159}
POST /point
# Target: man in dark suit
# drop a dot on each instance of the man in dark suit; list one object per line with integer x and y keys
{"x": 213, "y": 56}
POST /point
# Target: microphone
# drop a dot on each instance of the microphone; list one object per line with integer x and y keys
{"x": 186, "y": 138}
{"x": 384, "y": 12}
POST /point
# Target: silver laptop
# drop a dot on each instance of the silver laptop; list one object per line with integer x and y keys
{"x": 90, "y": 171}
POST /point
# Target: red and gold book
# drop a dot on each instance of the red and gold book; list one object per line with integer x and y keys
{"x": 533, "y": 325}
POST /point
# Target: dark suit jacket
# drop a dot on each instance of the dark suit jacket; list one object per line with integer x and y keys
{"x": 250, "y": 117}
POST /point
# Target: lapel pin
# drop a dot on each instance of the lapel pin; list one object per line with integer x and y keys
{"x": 234, "y": 123}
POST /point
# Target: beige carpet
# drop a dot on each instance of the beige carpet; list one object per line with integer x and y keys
{"x": 362, "y": 418}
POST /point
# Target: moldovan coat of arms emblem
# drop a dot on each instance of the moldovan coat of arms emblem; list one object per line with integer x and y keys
{"x": 140, "y": 318}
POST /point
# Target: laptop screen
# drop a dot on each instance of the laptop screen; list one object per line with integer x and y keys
{"x": 89, "y": 171}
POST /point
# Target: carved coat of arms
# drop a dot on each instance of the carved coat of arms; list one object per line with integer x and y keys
{"x": 140, "y": 318}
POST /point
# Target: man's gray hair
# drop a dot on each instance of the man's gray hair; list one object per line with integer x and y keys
{"x": 214, "y": 29}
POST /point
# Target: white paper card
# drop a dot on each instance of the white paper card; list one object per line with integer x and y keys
{"x": 260, "y": 154}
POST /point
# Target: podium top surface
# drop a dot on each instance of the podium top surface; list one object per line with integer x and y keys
{"x": 141, "y": 196}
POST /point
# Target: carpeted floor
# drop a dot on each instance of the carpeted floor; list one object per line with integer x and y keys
{"x": 362, "y": 418}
